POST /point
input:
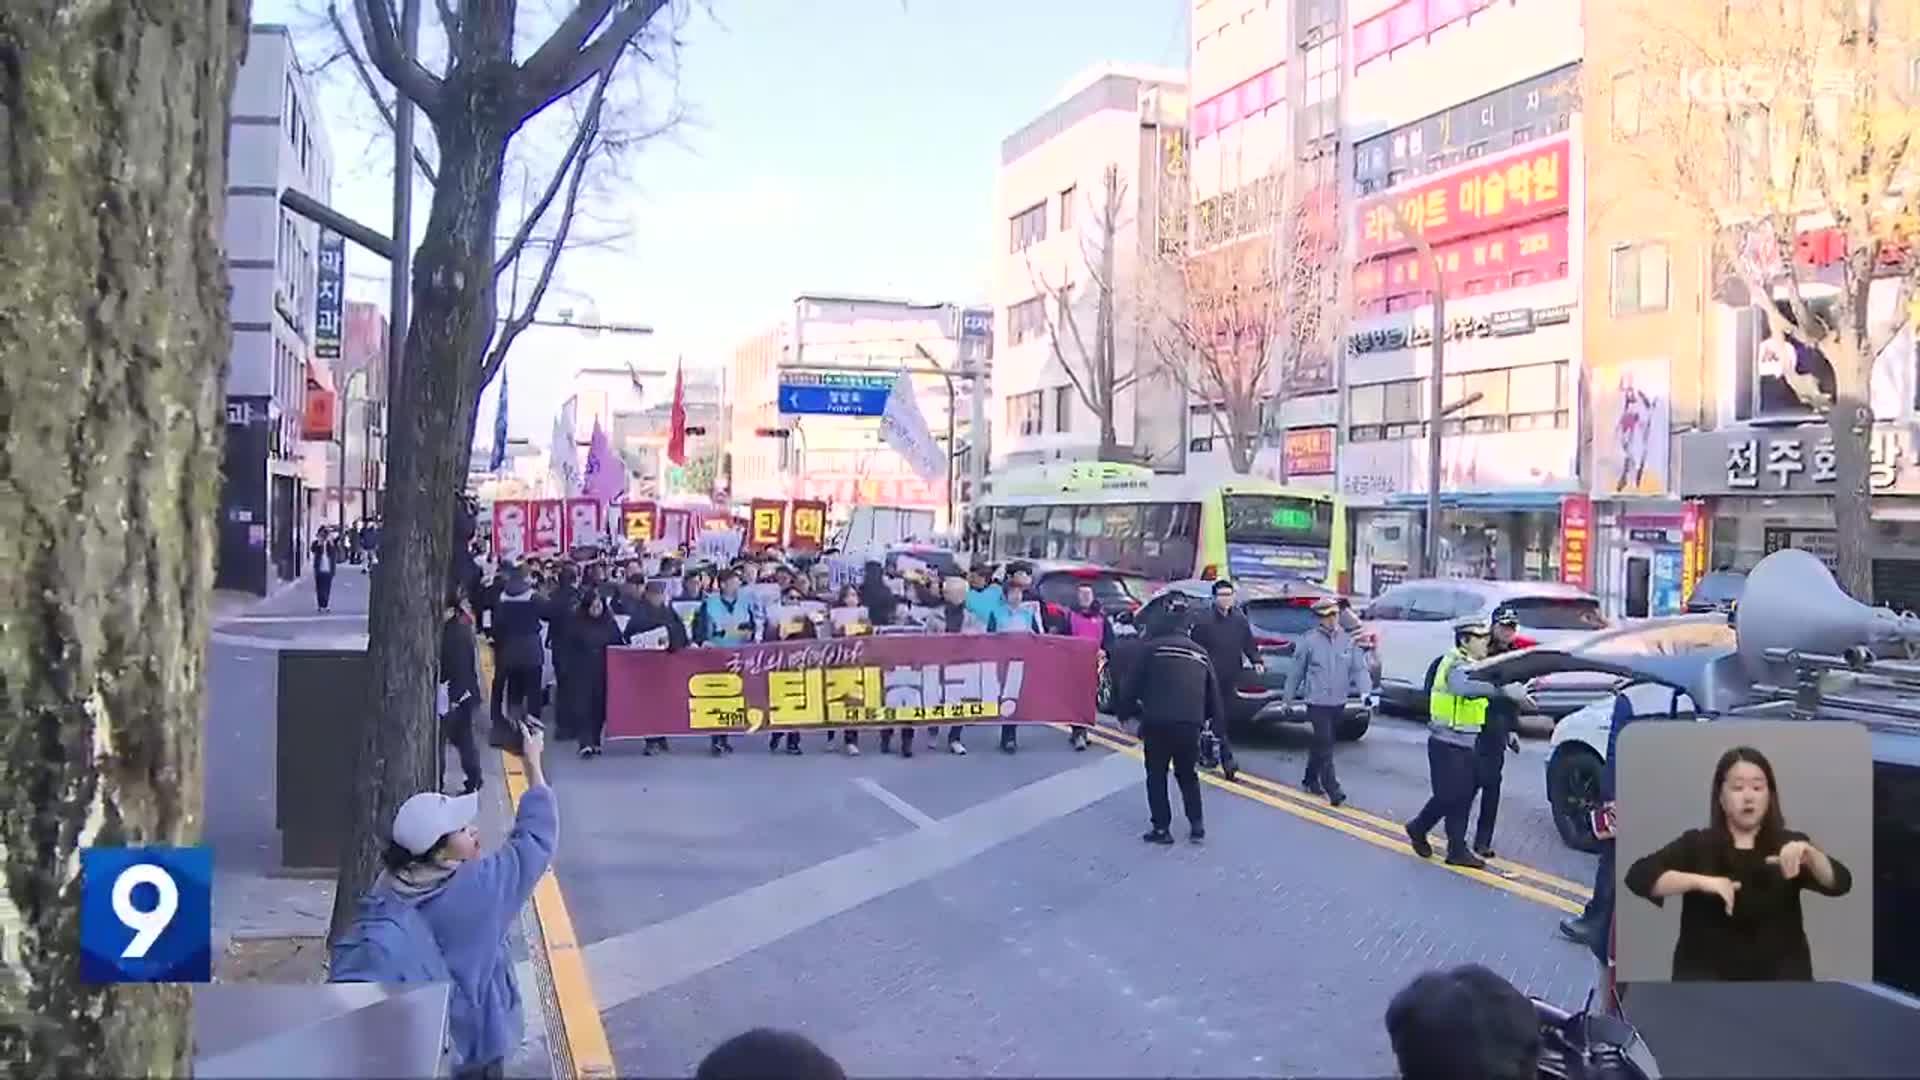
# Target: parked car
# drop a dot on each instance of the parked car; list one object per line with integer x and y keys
{"x": 1719, "y": 591}
{"x": 1118, "y": 592}
{"x": 1280, "y": 613}
{"x": 1564, "y": 693}
{"x": 1413, "y": 624}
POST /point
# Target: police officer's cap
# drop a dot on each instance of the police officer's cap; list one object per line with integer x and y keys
{"x": 1505, "y": 616}
{"x": 1469, "y": 628}
{"x": 1326, "y": 605}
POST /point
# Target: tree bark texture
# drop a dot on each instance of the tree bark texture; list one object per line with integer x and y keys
{"x": 114, "y": 339}
{"x": 428, "y": 453}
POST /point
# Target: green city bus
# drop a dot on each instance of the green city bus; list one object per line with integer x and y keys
{"x": 1164, "y": 528}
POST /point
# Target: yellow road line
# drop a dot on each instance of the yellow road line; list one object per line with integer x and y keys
{"x": 1319, "y": 816}
{"x": 580, "y": 1024}
{"x": 1394, "y": 829}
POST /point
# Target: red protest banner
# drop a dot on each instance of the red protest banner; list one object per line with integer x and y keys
{"x": 806, "y": 525}
{"x": 549, "y": 533}
{"x": 636, "y": 521}
{"x": 1490, "y": 194}
{"x": 585, "y": 523}
{"x": 769, "y": 525}
{"x": 853, "y": 682}
{"x": 512, "y": 526}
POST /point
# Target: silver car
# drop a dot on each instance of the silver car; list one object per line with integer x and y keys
{"x": 1413, "y": 625}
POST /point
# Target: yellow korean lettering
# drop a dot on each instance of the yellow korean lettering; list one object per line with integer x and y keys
{"x": 1493, "y": 195}
{"x": 852, "y": 693}
{"x": 1479, "y": 254}
{"x": 1414, "y": 210}
{"x": 1546, "y": 178}
{"x": 1453, "y": 261}
{"x": 716, "y": 701}
{"x": 796, "y": 698}
{"x": 1468, "y": 201}
{"x": 1436, "y": 208}
{"x": 1520, "y": 183}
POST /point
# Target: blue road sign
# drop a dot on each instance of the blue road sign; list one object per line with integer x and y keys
{"x": 833, "y": 400}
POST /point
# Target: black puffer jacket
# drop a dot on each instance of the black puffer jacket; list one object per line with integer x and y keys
{"x": 1172, "y": 685}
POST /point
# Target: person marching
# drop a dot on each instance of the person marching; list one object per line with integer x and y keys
{"x": 953, "y": 616}
{"x": 326, "y": 559}
{"x": 1228, "y": 638}
{"x": 723, "y": 618}
{"x": 1327, "y": 667}
{"x": 654, "y": 613}
{"x": 1457, "y": 711}
{"x": 1174, "y": 693}
{"x": 518, "y": 654}
{"x": 593, "y": 631}
{"x": 850, "y": 597}
{"x": 802, "y": 629}
{"x": 1500, "y": 737}
{"x": 459, "y": 670}
{"x": 1014, "y": 617}
{"x": 1086, "y": 620}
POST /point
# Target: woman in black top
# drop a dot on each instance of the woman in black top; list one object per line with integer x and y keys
{"x": 1740, "y": 881}
{"x": 592, "y": 632}
{"x": 877, "y": 597}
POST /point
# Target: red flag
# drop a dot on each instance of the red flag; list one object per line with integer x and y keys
{"x": 677, "y": 441}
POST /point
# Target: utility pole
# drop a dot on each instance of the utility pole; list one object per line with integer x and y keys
{"x": 1436, "y": 399}
{"x": 400, "y": 299}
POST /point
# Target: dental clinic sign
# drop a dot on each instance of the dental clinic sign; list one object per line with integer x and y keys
{"x": 1793, "y": 461}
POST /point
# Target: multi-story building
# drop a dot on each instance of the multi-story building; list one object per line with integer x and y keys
{"x": 842, "y": 459}
{"x": 1265, "y": 150}
{"x": 351, "y": 462}
{"x": 1465, "y": 126}
{"x": 275, "y": 143}
{"x": 1070, "y": 244}
{"x": 642, "y": 437}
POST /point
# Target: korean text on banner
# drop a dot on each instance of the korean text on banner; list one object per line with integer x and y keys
{"x": 904, "y": 427}
{"x": 769, "y": 524}
{"x": 512, "y": 530}
{"x": 585, "y": 524}
{"x": 806, "y": 525}
{"x": 719, "y": 545}
{"x": 880, "y": 681}
{"x": 549, "y": 534}
{"x": 636, "y": 522}
{"x": 329, "y": 295}
{"x": 1576, "y": 540}
{"x": 1494, "y": 193}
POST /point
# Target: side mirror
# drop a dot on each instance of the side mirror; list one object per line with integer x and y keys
{"x": 1124, "y": 618}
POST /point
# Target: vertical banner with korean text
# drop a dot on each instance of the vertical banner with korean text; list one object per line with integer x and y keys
{"x": 548, "y": 535}
{"x": 883, "y": 681}
{"x": 637, "y": 521}
{"x": 512, "y": 529}
{"x": 585, "y": 523}
{"x": 806, "y": 525}
{"x": 769, "y": 525}
{"x": 1576, "y": 540}
{"x": 329, "y": 296}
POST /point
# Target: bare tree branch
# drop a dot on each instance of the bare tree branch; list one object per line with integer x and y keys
{"x": 567, "y": 60}
{"x": 580, "y": 147}
{"x": 379, "y": 27}
{"x": 373, "y": 91}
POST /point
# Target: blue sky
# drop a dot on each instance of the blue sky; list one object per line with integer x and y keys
{"x": 835, "y": 145}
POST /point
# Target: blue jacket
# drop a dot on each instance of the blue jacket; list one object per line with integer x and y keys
{"x": 1622, "y": 716}
{"x": 985, "y": 603}
{"x": 471, "y": 915}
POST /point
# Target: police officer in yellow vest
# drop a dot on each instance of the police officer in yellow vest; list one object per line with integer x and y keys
{"x": 1457, "y": 711}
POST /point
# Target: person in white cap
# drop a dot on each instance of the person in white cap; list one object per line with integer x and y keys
{"x": 470, "y": 901}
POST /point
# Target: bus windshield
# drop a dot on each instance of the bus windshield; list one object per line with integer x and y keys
{"x": 1278, "y": 536}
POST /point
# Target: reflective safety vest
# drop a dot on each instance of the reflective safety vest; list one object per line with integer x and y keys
{"x": 730, "y": 625}
{"x": 1450, "y": 712}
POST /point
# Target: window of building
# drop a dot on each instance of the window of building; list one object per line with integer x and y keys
{"x": 1320, "y": 102}
{"x": 1027, "y": 319}
{"x": 1366, "y": 412}
{"x": 1529, "y": 398}
{"x": 1626, "y": 105}
{"x": 1639, "y": 276}
{"x": 1023, "y": 412}
{"x": 1028, "y": 227}
{"x": 1066, "y": 206}
{"x": 1063, "y": 408}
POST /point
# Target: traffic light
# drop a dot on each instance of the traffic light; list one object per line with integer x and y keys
{"x": 772, "y": 432}
{"x": 692, "y": 431}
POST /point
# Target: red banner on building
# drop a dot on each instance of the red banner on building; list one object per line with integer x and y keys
{"x": 637, "y": 521}
{"x": 1494, "y": 193}
{"x": 512, "y": 529}
{"x": 1523, "y": 255}
{"x": 548, "y": 535}
{"x": 1576, "y": 540}
{"x": 1693, "y": 546}
{"x": 768, "y": 528}
{"x": 883, "y": 681}
{"x": 806, "y": 525}
{"x": 1309, "y": 452}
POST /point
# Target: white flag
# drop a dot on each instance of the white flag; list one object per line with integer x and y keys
{"x": 564, "y": 460}
{"x": 904, "y": 428}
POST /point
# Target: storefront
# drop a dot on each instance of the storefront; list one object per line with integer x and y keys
{"x": 1509, "y": 448}
{"x": 1766, "y": 488}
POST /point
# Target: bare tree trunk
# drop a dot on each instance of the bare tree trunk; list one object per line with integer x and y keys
{"x": 1851, "y": 422}
{"x": 114, "y": 339}
{"x": 428, "y": 454}
{"x": 1106, "y": 379}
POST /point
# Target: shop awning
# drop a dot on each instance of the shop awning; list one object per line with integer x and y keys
{"x": 1483, "y": 500}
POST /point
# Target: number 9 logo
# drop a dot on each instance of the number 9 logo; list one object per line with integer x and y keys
{"x": 146, "y": 925}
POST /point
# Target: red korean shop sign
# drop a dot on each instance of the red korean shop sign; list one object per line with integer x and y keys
{"x": 1576, "y": 540}
{"x": 882, "y": 681}
{"x": 1490, "y": 194}
{"x": 1522, "y": 255}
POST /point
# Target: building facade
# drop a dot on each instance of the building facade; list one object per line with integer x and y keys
{"x": 781, "y": 454}
{"x": 1079, "y": 193}
{"x": 1493, "y": 181}
{"x": 276, "y": 142}
{"x": 351, "y": 463}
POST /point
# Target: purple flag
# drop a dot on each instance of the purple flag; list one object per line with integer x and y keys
{"x": 606, "y": 477}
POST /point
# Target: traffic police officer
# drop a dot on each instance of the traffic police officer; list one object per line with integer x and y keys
{"x": 1457, "y": 711}
{"x": 1500, "y": 736}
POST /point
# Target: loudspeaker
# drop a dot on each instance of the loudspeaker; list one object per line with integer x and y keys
{"x": 1792, "y": 602}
